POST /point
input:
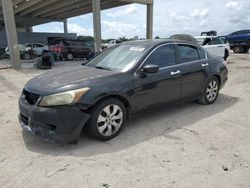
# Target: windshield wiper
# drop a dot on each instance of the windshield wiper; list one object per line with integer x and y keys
{"x": 84, "y": 63}
{"x": 103, "y": 68}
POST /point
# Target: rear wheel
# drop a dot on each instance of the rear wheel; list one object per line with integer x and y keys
{"x": 211, "y": 91}
{"x": 70, "y": 56}
{"x": 107, "y": 119}
{"x": 27, "y": 56}
{"x": 238, "y": 49}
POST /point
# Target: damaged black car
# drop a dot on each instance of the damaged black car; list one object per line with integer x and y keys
{"x": 118, "y": 84}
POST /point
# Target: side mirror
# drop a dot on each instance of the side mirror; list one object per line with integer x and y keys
{"x": 150, "y": 68}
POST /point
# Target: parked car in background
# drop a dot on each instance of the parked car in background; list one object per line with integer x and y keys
{"x": 24, "y": 53}
{"x": 37, "y": 48}
{"x": 185, "y": 37}
{"x": 68, "y": 49}
{"x": 214, "y": 45}
{"x": 118, "y": 84}
{"x": 209, "y": 33}
{"x": 239, "y": 41}
{"x": 113, "y": 42}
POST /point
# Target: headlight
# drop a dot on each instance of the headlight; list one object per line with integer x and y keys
{"x": 65, "y": 98}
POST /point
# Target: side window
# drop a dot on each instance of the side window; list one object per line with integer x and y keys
{"x": 202, "y": 53}
{"x": 163, "y": 56}
{"x": 188, "y": 53}
{"x": 217, "y": 41}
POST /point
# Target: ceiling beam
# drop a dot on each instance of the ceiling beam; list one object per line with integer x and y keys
{"x": 42, "y": 4}
{"x": 147, "y": 2}
{"x": 73, "y": 7}
{"x": 16, "y": 2}
{"x": 86, "y": 10}
{"x": 25, "y": 4}
{"x": 62, "y": 4}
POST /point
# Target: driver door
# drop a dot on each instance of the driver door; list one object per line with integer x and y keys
{"x": 155, "y": 89}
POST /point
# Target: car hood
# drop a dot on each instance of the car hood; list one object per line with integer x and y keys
{"x": 64, "y": 79}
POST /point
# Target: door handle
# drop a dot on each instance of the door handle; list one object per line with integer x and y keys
{"x": 175, "y": 73}
{"x": 204, "y": 64}
{"x": 220, "y": 46}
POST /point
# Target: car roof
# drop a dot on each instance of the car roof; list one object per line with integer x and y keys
{"x": 156, "y": 42}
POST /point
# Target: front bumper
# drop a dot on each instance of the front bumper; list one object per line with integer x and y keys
{"x": 61, "y": 124}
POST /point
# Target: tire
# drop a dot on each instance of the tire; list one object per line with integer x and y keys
{"x": 226, "y": 55}
{"x": 110, "y": 122}
{"x": 26, "y": 56}
{"x": 70, "y": 56}
{"x": 238, "y": 49}
{"x": 211, "y": 91}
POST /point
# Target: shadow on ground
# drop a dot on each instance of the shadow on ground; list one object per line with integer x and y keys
{"x": 141, "y": 129}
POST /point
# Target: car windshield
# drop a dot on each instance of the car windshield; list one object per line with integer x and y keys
{"x": 121, "y": 58}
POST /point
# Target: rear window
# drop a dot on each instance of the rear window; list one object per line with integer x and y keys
{"x": 188, "y": 53}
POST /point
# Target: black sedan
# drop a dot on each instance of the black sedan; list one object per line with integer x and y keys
{"x": 123, "y": 81}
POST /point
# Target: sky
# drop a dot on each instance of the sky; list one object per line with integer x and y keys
{"x": 170, "y": 17}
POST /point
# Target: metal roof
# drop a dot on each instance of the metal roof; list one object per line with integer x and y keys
{"x": 35, "y": 12}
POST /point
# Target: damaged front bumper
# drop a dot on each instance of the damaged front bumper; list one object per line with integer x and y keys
{"x": 60, "y": 124}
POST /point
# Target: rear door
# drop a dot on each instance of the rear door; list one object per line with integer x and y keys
{"x": 195, "y": 69}
{"x": 158, "y": 88}
{"x": 220, "y": 45}
{"x": 216, "y": 47}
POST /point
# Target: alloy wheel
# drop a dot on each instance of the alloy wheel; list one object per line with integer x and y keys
{"x": 212, "y": 91}
{"x": 110, "y": 120}
{"x": 70, "y": 56}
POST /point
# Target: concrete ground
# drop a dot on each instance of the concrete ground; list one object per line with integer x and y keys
{"x": 189, "y": 145}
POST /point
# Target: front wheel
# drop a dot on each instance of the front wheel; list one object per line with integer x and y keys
{"x": 238, "y": 49}
{"x": 107, "y": 119}
{"x": 210, "y": 92}
{"x": 70, "y": 56}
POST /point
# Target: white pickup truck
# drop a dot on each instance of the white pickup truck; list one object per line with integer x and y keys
{"x": 214, "y": 45}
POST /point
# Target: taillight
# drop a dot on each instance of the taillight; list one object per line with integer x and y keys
{"x": 56, "y": 49}
{"x": 59, "y": 50}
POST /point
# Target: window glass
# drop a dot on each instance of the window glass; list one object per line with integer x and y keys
{"x": 37, "y": 46}
{"x": 210, "y": 42}
{"x": 217, "y": 41}
{"x": 121, "y": 58}
{"x": 202, "y": 53}
{"x": 163, "y": 56}
{"x": 188, "y": 53}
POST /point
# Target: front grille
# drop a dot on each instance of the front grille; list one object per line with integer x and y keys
{"x": 24, "y": 119}
{"x": 31, "y": 98}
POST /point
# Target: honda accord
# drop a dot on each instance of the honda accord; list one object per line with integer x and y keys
{"x": 127, "y": 79}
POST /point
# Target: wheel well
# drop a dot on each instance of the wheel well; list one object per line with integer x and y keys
{"x": 120, "y": 98}
{"x": 218, "y": 77}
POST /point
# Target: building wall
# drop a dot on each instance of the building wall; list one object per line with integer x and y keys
{"x": 26, "y": 37}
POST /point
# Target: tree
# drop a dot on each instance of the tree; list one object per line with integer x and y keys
{"x": 86, "y": 38}
{"x": 123, "y": 39}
